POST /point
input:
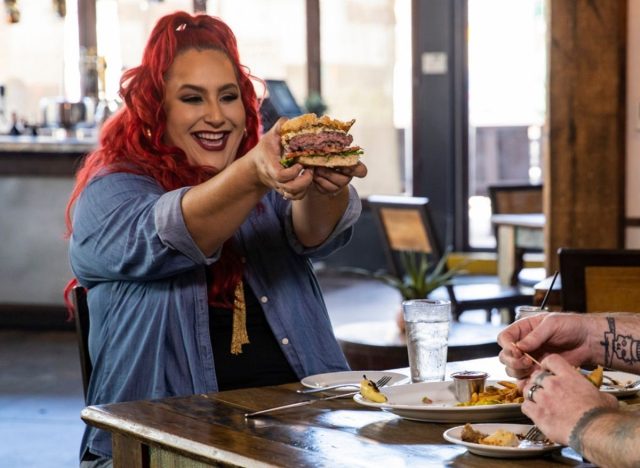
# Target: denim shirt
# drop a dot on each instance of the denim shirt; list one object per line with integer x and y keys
{"x": 147, "y": 292}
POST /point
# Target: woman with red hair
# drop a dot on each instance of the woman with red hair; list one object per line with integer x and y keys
{"x": 193, "y": 242}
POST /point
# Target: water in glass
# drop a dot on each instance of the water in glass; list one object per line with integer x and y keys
{"x": 427, "y": 333}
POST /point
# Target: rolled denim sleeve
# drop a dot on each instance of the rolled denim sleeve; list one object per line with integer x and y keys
{"x": 127, "y": 227}
{"x": 173, "y": 231}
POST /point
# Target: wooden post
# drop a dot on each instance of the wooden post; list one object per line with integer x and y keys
{"x": 584, "y": 161}
{"x": 314, "y": 82}
{"x": 199, "y": 6}
{"x": 88, "y": 48}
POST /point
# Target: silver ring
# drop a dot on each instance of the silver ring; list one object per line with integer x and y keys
{"x": 541, "y": 376}
{"x": 531, "y": 391}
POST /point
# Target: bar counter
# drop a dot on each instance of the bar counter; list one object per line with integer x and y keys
{"x": 36, "y": 179}
{"x": 42, "y": 155}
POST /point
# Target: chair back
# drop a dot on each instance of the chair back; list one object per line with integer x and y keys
{"x": 600, "y": 280}
{"x": 515, "y": 198}
{"x": 406, "y": 226}
{"x": 79, "y": 299}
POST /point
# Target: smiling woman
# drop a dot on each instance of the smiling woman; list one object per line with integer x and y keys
{"x": 205, "y": 115}
{"x": 197, "y": 267}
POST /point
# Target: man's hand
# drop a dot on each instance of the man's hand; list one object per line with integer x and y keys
{"x": 560, "y": 396}
{"x": 541, "y": 335}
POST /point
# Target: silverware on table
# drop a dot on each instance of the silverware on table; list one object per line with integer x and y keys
{"x": 611, "y": 380}
{"x": 614, "y": 383}
{"x": 305, "y": 391}
{"x": 633, "y": 384}
{"x": 534, "y": 435}
{"x": 382, "y": 381}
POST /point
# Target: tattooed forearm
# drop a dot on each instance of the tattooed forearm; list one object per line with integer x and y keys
{"x": 608, "y": 437}
{"x": 575, "y": 438}
{"x": 624, "y": 347}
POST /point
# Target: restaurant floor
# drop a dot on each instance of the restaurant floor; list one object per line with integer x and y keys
{"x": 41, "y": 387}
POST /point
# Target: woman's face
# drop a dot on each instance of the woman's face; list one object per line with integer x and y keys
{"x": 205, "y": 115}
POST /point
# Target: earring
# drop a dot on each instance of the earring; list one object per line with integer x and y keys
{"x": 147, "y": 132}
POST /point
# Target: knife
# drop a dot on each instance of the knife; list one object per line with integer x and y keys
{"x": 301, "y": 403}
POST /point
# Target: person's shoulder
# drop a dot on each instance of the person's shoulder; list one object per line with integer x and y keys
{"x": 109, "y": 183}
{"x": 117, "y": 174}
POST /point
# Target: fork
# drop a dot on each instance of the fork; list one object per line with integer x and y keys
{"x": 333, "y": 387}
{"x": 534, "y": 435}
{"x": 615, "y": 383}
{"x": 633, "y": 384}
{"x": 382, "y": 381}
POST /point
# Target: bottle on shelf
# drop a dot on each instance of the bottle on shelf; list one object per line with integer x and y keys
{"x": 5, "y": 125}
{"x": 16, "y": 126}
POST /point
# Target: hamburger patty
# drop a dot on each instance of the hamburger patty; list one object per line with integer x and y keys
{"x": 319, "y": 141}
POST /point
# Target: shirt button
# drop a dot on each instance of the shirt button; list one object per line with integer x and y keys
{"x": 285, "y": 340}
{"x": 264, "y": 299}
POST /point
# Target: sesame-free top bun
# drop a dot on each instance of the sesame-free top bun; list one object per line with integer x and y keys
{"x": 312, "y": 120}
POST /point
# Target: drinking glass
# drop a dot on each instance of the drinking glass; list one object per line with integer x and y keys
{"x": 427, "y": 330}
{"x": 524, "y": 311}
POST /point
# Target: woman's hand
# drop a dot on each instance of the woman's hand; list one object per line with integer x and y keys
{"x": 541, "y": 335}
{"x": 561, "y": 397}
{"x": 331, "y": 181}
{"x": 291, "y": 182}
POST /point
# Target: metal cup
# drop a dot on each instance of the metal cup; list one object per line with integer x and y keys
{"x": 466, "y": 383}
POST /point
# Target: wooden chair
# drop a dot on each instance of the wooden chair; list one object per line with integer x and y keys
{"x": 79, "y": 300}
{"x": 519, "y": 198}
{"x": 600, "y": 280}
{"x": 515, "y": 198}
{"x": 405, "y": 224}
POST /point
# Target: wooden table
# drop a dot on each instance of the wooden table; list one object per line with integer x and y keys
{"x": 381, "y": 345}
{"x": 516, "y": 232}
{"x": 201, "y": 430}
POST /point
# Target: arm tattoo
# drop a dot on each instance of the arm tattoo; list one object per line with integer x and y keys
{"x": 624, "y": 347}
{"x": 575, "y": 439}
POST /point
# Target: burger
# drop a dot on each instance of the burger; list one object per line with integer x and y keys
{"x": 318, "y": 141}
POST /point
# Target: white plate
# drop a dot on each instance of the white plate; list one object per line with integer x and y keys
{"x": 624, "y": 378}
{"x": 350, "y": 377}
{"x": 406, "y": 402}
{"x": 526, "y": 449}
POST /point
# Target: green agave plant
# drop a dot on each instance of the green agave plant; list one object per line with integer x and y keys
{"x": 420, "y": 278}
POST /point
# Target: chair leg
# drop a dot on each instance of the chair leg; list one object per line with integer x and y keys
{"x": 507, "y": 315}
{"x": 455, "y": 312}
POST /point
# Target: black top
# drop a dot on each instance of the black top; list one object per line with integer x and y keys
{"x": 261, "y": 362}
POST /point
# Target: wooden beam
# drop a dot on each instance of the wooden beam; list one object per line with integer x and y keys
{"x": 199, "y": 6}
{"x": 88, "y": 48}
{"x": 314, "y": 81}
{"x": 584, "y": 161}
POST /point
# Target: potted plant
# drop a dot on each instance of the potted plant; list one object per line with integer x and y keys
{"x": 419, "y": 278}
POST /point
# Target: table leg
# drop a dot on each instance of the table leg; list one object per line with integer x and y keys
{"x": 506, "y": 254}
{"x": 128, "y": 452}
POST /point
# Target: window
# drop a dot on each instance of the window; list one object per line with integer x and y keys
{"x": 507, "y": 88}
{"x": 366, "y": 75}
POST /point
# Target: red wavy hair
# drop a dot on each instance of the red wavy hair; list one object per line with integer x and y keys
{"x": 132, "y": 139}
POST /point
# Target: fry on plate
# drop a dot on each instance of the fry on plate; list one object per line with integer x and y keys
{"x": 492, "y": 395}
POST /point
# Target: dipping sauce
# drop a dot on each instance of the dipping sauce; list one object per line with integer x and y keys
{"x": 466, "y": 383}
